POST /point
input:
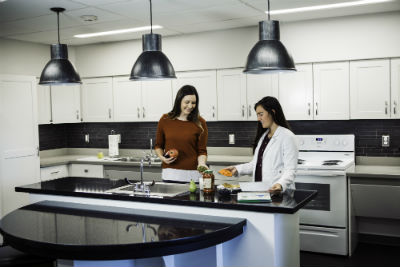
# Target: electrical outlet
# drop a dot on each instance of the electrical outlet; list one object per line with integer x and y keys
{"x": 385, "y": 140}
{"x": 231, "y": 139}
{"x": 87, "y": 138}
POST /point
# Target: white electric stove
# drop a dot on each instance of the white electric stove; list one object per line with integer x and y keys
{"x": 322, "y": 166}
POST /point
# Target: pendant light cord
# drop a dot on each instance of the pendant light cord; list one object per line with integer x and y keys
{"x": 268, "y": 11}
{"x": 151, "y": 19}
{"x": 58, "y": 26}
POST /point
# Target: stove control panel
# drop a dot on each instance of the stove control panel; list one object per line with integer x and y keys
{"x": 326, "y": 142}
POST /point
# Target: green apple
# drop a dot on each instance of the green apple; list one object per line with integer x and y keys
{"x": 192, "y": 186}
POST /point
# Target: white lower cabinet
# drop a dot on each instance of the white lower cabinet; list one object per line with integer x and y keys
{"x": 86, "y": 170}
{"x": 296, "y": 93}
{"x": 370, "y": 89}
{"x": 53, "y": 172}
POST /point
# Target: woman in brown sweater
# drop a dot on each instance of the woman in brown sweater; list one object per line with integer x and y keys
{"x": 184, "y": 130}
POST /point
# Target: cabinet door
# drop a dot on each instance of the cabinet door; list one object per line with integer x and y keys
{"x": 156, "y": 99}
{"x": 19, "y": 146}
{"x": 97, "y": 100}
{"x": 231, "y": 90}
{"x": 259, "y": 86}
{"x": 127, "y": 99}
{"x": 66, "y": 103}
{"x": 44, "y": 104}
{"x": 296, "y": 93}
{"x": 331, "y": 91}
{"x": 370, "y": 89}
{"x": 205, "y": 83}
{"x": 395, "y": 89}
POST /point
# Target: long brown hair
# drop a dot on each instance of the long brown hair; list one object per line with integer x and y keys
{"x": 176, "y": 110}
{"x": 270, "y": 103}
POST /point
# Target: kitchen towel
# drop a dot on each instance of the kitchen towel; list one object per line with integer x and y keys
{"x": 113, "y": 141}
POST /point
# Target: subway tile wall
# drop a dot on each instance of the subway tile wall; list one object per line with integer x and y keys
{"x": 137, "y": 134}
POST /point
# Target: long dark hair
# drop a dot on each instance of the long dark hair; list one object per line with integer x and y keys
{"x": 176, "y": 110}
{"x": 270, "y": 104}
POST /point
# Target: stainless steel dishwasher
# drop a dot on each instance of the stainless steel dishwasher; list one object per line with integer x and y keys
{"x": 150, "y": 173}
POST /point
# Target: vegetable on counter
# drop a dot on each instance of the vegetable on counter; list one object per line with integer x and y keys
{"x": 225, "y": 172}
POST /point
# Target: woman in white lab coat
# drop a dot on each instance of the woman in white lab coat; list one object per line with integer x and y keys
{"x": 275, "y": 149}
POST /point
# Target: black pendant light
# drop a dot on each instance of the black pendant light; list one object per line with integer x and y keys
{"x": 152, "y": 64}
{"x": 59, "y": 70}
{"x": 269, "y": 54}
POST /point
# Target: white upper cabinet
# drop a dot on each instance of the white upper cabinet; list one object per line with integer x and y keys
{"x": 231, "y": 90}
{"x": 296, "y": 93}
{"x": 331, "y": 91}
{"x": 205, "y": 83}
{"x": 66, "y": 103}
{"x": 97, "y": 100}
{"x": 156, "y": 99}
{"x": 44, "y": 104}
{"x": 259, "y": 86}
{"x": 395, "y": 89}
{"x": 370, "y": 89}
{"x": 127, "y": 99}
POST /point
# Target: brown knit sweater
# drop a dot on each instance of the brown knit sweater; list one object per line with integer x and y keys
{"x": 184, "y": 136}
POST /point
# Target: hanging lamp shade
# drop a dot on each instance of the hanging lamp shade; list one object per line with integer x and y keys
{"x": 59, "y": 70}
{"x": 269, "y": 54}
{"x": 152, "y": 64}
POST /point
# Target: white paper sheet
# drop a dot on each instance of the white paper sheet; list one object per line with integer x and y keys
{"x": 254, "y": 186}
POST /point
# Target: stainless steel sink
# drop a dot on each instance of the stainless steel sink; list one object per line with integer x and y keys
{"x": 158, "y": 189}
{"x": 136, "y": 160}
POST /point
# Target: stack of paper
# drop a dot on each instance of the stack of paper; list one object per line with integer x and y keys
{"x": 253, "y": 197}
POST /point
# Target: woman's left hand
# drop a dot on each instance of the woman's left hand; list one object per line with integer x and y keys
{"x": 202, "y": 164}
{"x": 275, "y": 189}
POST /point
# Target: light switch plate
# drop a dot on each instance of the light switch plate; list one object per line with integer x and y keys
{"x": 385, "y": 140}
{"x": 87, "y": 138}
{"x": 231, "y": 139}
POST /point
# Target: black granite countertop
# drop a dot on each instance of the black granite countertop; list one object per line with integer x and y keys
{"x": 289, "y": 202}
{"x": 65, "y": 230}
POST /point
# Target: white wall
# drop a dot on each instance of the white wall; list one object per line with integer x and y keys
{"x": 343, "y": 38}
{"x": 25, "y": 58}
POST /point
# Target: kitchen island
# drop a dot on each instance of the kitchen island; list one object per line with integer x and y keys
{"x": 270, "y": 237}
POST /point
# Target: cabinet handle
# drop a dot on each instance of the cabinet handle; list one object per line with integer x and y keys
{"x": 144, "y": 113}
{"x": 213, "y": 109}
{"x": 386, "y": 107}
{"x": 249, "y": 110}
{"x": 77, "y": 114}
{"x": 309, "y": 109}
{"x": 243, "y": 111}
{"x": 316, "y": 108}
{"x": 86, "y": 170}
{"x": 55, "y": 172}
{"x": 109, "y": 113}
{"x": 138, "y": 112}
{"x": 394, "y": 107}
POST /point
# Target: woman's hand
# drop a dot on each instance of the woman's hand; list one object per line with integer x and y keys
{"x": 275, "y": 189}
{"x": 203, "y": 165}
{"x": 232, "y": 169}
{"x": 167, "y": 160}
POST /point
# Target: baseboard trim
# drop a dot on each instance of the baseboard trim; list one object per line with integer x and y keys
{"x": 379, "y": 239}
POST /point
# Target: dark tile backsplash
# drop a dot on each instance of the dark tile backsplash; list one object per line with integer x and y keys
{"x": 137, "y": 134}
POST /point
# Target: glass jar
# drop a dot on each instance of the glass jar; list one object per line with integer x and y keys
{"x": 208, "y": 181}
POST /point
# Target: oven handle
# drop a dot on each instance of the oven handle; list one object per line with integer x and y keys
{"x": 320, "y": 173}
{"x": 317, "y": 232}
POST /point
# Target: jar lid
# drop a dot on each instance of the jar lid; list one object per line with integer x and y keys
{"x": 208, "y": 171}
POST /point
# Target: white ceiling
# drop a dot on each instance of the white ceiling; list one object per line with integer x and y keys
{"x": 32, "y": 20}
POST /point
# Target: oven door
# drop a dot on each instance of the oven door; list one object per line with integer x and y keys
{"x": 329, "y": 207}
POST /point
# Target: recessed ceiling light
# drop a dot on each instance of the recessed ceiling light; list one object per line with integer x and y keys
{"x": 330, "y": 6}
{"x": 137, "y": 29}
{"x": 88, "y": 17}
